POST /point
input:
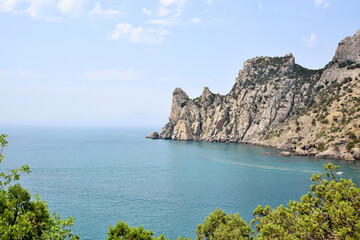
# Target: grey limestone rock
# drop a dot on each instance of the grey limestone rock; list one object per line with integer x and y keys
{"x": 285, "y": 154}
{"x": 154, "y": 135}
{"x": 267, "y": 94}
{"x": 329, "y": 154}
{"x": 356, "y": 153}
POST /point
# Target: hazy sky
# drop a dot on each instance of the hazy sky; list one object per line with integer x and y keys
{"x": 116, "y": 62}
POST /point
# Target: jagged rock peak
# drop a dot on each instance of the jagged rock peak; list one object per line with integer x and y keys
{"x": 345, "y": 62}
{"x": 348, "y": 50}
{"x": 180, "y": 98}
{"x": 262, "y": 67}
{"x": 206, "y": 91}
{"x": 179, "y": 91}
{"x": 276, "y": 102}
{"x": 206, "y": 94}
{"x": 274, "y": 61}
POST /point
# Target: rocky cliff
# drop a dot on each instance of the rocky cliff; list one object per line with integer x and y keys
{"x": 276, "y": 102}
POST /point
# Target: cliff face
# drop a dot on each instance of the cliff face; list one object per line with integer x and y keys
{"x": 276, "y": 102}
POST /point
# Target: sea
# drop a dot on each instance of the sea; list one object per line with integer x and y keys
{"x": 102, "y": 175}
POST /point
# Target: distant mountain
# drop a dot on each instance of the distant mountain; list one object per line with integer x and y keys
{"x": 276, "y": 102}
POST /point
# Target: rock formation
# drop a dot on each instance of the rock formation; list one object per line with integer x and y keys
{"x": 276, "y": 102}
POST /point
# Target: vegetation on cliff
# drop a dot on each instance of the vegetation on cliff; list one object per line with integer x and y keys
{"x": 276, "y": 102}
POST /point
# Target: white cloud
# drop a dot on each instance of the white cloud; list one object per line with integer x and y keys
{"x": 209, "y": 2}
{"x": 311, "y": 41}
{"x": 147, "y": 12}
{"x": 9, "y": 5}
{"x": 113, "y": 74}
{"x": 43, "y": 10}
{"x": 55, "y": 10}
{"x": 72, "y": 7}
{"x": 171, "y": 7}
{"x": 137, "y": 35}
{"x": 260, "y": 5}
{"x": 97, "y": 10}
{"x": 178, "y": 11}
{"x": 166, "y": 21}
{"x": 322, "y": 3}
{"x": 326, "y": 5}
{"x": 168, "y": 13}
{"x": 163, "y": 11}
{"x": 196, "y": 20}
{"x": 172, "y": 2}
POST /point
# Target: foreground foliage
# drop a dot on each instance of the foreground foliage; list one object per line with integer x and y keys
{"x": 219, "y": 225}
{"x": 23, "y": 218}
{"x": 123, "y": 231}
{"x": 331, "y": 210}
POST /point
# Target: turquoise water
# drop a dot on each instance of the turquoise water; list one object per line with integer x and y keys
{"x": 100, "y": 176}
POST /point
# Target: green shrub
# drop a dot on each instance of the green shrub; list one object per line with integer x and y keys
{"x": 321, "y": 146}
{"x": 350, "y": 146}
{"x": 351, "y": 135}
{"x": 330, "y": 139}
{"x": 23, "y": 218}
{"x": 313, "y": 122}
{"x": 325, "y": 121}
{"x": 330, "y": 211}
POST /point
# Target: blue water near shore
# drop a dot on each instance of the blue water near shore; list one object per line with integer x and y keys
{"x": 102, "y": 175}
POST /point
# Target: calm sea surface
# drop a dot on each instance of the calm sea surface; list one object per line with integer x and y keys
{"x": 102, "y": 175}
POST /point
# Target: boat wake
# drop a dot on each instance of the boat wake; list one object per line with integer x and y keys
{"x": 275, "y": 168}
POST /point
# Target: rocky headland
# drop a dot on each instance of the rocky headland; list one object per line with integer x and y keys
{"x": 276, "y": 102}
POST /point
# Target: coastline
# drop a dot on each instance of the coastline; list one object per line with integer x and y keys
{"x": 283, "y": 151}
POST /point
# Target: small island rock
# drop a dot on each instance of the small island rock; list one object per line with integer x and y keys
{"x": 285, "y": 154}
{"x": 154, "y": 135}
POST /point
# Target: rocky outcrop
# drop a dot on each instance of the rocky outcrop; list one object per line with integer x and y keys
{"x": 356, "y": 153}
{"x": 345, "y": 63}
{"x": 348, "y": 50}
{"x": 276, "y": 102}
{"x": 285, "y": 154}
{"x": 154, "y": 135}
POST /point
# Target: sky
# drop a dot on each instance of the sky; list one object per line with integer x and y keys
{"x": 116, "y": 62}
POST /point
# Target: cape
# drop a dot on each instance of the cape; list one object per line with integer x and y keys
{"x": 276, "y": 102}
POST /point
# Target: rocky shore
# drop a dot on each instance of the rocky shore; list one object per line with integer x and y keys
{"x": 276, "y": 102}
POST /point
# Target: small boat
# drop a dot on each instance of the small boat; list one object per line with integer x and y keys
{"x": 339, "y": 173}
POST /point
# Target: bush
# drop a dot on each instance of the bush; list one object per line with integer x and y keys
{"x": 313, "y": 122}
{"x": 325, "y": 121}
{"x": 321, "y": 146}
{"x": 330, "y": 211}
{"x": 351, "y": 135}
{"x": 219, "y": 225}
{"x": 22, "y": 218}
{"x": 350, "y": 146}
{"x": 123, "y": 231}
{"x": 330, "y": 139}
